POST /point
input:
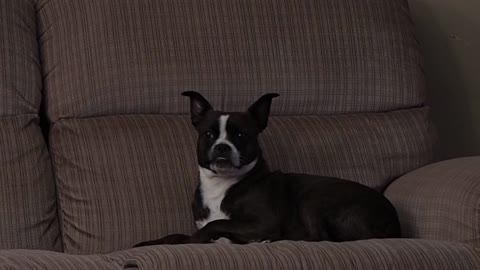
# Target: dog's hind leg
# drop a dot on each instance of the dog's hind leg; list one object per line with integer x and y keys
{"x": 315, "y": 229}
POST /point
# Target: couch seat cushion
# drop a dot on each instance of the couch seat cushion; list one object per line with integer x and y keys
{"x": 391, "y": 254}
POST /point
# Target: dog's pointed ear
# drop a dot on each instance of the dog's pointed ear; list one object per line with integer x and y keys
{"x": 260, "y": 110}
{"x": 199, "y": 106}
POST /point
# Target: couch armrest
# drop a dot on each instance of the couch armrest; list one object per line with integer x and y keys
{"x": 440, "y": 201}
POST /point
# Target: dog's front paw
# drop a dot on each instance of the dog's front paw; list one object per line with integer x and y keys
{"x": 223, "y": 240}
{"x": 172, "y": 239}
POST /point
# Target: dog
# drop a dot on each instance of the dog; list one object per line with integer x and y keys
{"x": 238, "y": 198}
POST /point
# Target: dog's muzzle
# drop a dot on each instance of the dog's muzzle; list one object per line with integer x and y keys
{"x": 222, "y": 153}
{"x": 222, "y": 157}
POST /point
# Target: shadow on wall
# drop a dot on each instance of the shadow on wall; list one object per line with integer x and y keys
{"x": 450, "y": 43}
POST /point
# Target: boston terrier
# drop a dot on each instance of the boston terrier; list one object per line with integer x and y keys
{"x": 238, "y": 198}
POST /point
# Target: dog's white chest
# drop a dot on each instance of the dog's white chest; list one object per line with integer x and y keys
{"x": 215, "y": 213}
{"x": 213, "y": 190}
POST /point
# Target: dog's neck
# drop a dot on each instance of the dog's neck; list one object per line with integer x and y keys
{"x": 210, "y": 181}
{"x": 213, "y": 187}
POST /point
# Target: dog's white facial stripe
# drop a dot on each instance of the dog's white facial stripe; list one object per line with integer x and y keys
{"x": 222, "y": 123}
{"x": 223, "y": 138}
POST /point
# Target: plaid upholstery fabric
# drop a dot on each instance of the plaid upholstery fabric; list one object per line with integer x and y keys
{"x": 373, "y": 149}
{"x": 27, "y": 191}
{"x": 20, "y": 77}
{"x": 124, "y": 179}
{"x": 324, "y": 57}
{"x": 45, "y": 260}
{"x": 440, "y": 201}
{"x": 361, "y": 255}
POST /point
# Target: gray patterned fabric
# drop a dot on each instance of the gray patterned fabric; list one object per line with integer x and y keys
{"x": 324, "y": 57}
{"x": 134, "y": 176}
{"x": 28, "y": 213}
{"x": 373, "y": 149}
{"x": 20, "y": 76}
{"x": 440, "y": 201}
{"x": 123, "y": 179}
{"x": 45, "y": 260}
{"x": 27, "y": 191}
{"x": 360, "y": 255}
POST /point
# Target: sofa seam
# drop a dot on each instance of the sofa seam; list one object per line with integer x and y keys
{"x": 416, "y": 107}
{"x": 59, "y": 214}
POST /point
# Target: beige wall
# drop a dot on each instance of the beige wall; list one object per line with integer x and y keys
{"x": 449, "y": 31}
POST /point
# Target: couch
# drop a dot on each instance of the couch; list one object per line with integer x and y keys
{"x": 97, "y": 152}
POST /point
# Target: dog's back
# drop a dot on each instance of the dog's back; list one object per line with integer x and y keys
{"x": 312, "y": 208}
{"x": 340, "y": 210}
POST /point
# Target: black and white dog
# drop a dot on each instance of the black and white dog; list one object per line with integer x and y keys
{"x": 240, "y": 199}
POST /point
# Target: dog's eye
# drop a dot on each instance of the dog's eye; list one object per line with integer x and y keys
{"x": 209, "y": 135}
{"x": 240, "y": 135}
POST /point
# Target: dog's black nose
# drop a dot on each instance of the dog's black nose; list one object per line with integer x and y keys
{"x": 222, "y": 150}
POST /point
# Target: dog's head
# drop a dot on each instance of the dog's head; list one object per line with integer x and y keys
{"x": 228, "y": 142}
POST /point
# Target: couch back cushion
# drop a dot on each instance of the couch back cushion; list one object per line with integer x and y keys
{"x": 27, "y": 189}
{"x": 324, "y": 57}
{"x": 20, "y": 76}
{"x": 126, "y": 179}
{"x": 114, "y": 70}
